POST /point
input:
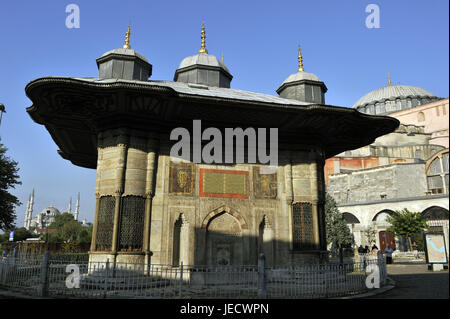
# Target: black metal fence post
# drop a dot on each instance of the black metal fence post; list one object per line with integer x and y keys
{"x": 262, "y": 293}
{"x": 43, "y": 287}
{"x": 180, "y": 293}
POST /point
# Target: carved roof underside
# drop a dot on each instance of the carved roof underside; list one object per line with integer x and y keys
{"x": 75, "y": 110}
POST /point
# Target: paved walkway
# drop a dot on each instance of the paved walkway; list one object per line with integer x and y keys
{"x": 415, "y": 281}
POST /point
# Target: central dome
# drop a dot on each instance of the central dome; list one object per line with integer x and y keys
{"x": 393, "y": 98}
{"x": 202, "y": 59}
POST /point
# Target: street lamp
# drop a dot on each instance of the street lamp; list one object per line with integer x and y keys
{"x": 2, "y": 110}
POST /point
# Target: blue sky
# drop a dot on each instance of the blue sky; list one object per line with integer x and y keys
{"x": 259, "y": 42}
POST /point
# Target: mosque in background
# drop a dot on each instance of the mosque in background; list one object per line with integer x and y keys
{"x": 47, "y": 215}
{"x": 408, "y": 168}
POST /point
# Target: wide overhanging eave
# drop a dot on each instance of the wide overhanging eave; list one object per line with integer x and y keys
{"x": 340, "y": 128}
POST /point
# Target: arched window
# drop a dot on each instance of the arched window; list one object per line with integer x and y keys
{"x": 382, "y": 215}
{"x": 435, "y": 213}
{"x": 438, "y": 173}
{"x": 350, "y": 218}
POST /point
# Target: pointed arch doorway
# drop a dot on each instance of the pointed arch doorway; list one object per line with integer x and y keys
{"x": 224, "y": 237}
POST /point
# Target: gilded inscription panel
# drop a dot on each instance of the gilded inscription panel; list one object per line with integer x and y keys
{"x": 223, "y": 183}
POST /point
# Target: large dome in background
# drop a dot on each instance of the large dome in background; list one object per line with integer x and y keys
{"x": 393, "y": 98}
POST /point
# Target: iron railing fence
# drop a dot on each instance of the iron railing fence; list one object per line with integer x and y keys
{"x": 64, "y": 278}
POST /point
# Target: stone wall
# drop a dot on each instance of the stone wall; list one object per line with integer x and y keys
{"x": 391, "y": 181}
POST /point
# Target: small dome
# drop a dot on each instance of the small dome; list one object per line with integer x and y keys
{"x": 205, "y": 69}
{"x": 124, "y": 63}
{"x": 301, "y": 75}
{"x": 129, "y": 52}
{"x": 203, "y": 59}
{"x": 393, "y": 92}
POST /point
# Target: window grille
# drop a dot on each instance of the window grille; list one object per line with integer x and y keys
{"x": 105, "y": 223}
{"x": 131, "y": 225}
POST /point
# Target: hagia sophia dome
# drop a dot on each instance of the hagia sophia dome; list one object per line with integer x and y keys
{"x": 393, "y": 98}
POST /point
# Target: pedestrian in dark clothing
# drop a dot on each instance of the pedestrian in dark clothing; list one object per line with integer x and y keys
{"x": 388, "y": 251}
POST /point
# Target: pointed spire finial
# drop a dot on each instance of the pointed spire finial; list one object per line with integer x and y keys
{"x": 203, "y": 47}
{"x": 300, "y": 60}
{"x": 127, "y": 39}
{"x": 389, "y": 79}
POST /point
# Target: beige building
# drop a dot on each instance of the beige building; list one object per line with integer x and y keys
{"x": 408, "y": 168}
{"x": 432, "y": 116}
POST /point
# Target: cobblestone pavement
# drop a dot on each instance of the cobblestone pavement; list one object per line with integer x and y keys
{"x": 415, "y": 281}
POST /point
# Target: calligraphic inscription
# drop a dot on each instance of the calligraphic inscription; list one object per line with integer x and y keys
{"x": 264, "y": 185}
{"x": 181, "y": 178}
{"x": 223, "y": 183}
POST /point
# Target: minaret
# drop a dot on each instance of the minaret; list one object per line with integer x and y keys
{"x": 389, "y": 79}
{"x": 203, "y": 47}
{"x": 27, "y": 213}
{"x": 69, "y": 210}
{"x": 77, "y": 207}
{"x": 31, "y": 209}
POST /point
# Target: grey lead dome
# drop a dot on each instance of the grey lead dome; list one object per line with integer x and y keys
{"x": 393, "y": 98}
{"x": 205, "y": 69}
{"x": 203, "y": 59}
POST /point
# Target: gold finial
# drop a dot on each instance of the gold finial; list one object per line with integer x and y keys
{"x": 222, "y": 57}
{"x": 127, "y": 40}
{"x": 203, "y": 47}
{"x": 300, "y": 60}
{"x": 389, "y": 79}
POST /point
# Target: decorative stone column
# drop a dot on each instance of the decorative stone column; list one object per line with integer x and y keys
{"x": 184, "y": 240}
{"x": 268, "y": 241}
{"x": 152, "y": 146}
{"x": 122, "y": 144}
{"x": 289, "y": 194}
{"x": 314, "y": 200}
{"x": 95, "y": 226}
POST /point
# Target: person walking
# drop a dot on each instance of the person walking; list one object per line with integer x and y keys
{"x": 388, "y": 252}
{"x": 416, "y": 252}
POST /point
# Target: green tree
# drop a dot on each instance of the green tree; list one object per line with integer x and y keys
{"x": 338, "y": 233}
{"x": 406, "y": 223}
{"x": 85, "y": 235}
{"x": 68, "y": 230}
{"x": 8, "y": 179}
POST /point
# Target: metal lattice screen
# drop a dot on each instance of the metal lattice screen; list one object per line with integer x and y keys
{"x": 302, "y": 226}
{"x": 131, "y": 226}
{"x": 105, "y": 223}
